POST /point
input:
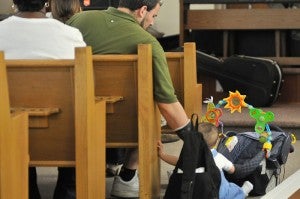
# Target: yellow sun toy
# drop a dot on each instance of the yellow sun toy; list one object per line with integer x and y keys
{"x": 235, "y": 101}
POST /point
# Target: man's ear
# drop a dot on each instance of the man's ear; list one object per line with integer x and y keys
{"x": 142, "y": 11}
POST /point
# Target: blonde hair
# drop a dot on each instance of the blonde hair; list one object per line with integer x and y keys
{"x": 209, "y": 132}
{"x": 63, "y": 10}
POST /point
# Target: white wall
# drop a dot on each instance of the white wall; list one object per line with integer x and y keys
{"x": 167, "y": 20}
{"x": 5, "y": 6}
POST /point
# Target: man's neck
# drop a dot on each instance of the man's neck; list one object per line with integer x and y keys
{"x": 126, "y": 10}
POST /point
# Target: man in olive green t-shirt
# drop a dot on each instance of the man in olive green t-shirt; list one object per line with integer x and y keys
{"x": 115, "y": 32}
{"x": 119, "y": 31}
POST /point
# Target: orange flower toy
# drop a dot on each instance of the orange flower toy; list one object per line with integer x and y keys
{"x": 212, "y": 113}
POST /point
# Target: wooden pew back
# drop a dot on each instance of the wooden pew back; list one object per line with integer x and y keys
{"x": 183, "y": 70}
{"x": 116, "y": 75}
{"x": 59, "y": 97}
{"x": 14, "y": 156}
{"x": 45, "y": 88}
{"x": 133, "y": 121}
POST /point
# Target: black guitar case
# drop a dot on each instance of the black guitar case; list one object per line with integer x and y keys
{"x": 258, "y": 78}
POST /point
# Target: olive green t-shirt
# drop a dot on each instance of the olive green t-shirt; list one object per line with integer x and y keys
{"x": 114, "y": 32}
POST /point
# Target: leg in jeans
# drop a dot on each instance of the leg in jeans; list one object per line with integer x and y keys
{"x": 126, "y": 184}
{"x": 114, "y": 160}
{"x": 130, "y": 164}
{"x": 66, "y": 184}
{"x": 33, "y": 187}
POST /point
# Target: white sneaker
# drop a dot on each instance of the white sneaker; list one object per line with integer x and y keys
{"x": 125, "y": 189}
{"x": 113, "y": 169}
{"x": 247, "y": 187}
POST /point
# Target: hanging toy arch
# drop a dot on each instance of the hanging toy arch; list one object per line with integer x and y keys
{"x": 235, "y": 102}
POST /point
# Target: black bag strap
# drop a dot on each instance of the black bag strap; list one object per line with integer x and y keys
{"x": 189, "y": 159}
{"x": 195, "y": 121}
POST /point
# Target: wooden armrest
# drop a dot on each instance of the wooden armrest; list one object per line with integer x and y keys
{"x": 110, "y": 100}
{"x": 38, "y": 117}
{"x": 14, "y": 114}
{"x": 36, "y": 111}
{"x": 54, "y": 163}
{"x": 121, "y": 144}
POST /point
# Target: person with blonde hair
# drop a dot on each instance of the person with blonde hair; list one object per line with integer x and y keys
{"x": 63, "y": 10}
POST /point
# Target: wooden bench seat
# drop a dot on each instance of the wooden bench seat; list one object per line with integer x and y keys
{"x": 14, "y": 154}
{"x": 60, "y": 93}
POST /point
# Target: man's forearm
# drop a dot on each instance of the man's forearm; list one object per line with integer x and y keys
{"x": 174, "y": 114}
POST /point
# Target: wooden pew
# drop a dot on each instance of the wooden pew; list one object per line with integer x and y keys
{"x": 67, "y": 126}
{"x": 14, "y": 154}
{"x": 183, "y": 70}
{"x": 133, "y": 121}
{"x": 130, "y": 93}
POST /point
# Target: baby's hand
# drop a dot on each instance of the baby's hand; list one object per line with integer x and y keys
{"x": 160, "y": 148}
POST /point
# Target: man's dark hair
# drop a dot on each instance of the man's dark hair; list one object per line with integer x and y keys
{"x": 30, "y": 5}
{"x": 136, "y": 4}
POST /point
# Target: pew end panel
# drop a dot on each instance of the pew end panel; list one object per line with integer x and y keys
{"x": 14, "y": 153}
{"x": 90, "y": 130}
{"x": 77, "y": 126}
{"x": 48, "y": 84}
